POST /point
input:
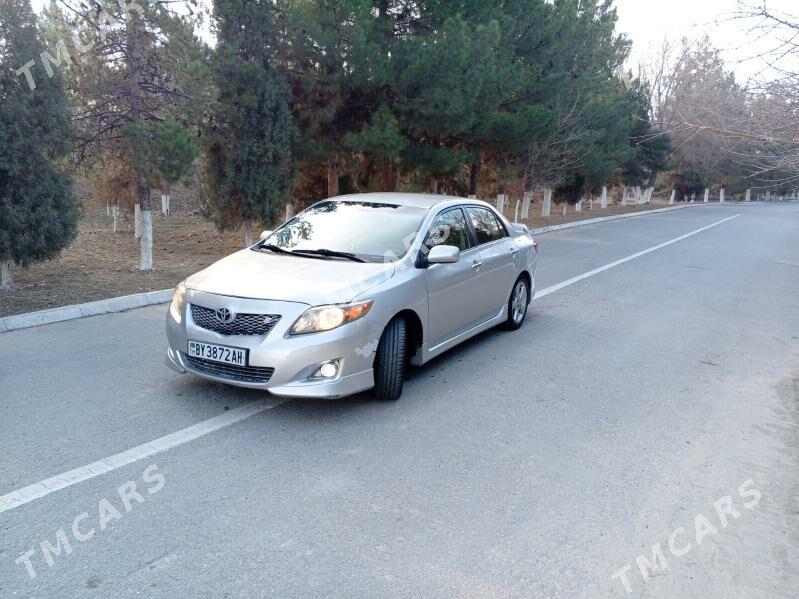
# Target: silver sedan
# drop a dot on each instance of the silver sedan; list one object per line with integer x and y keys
{"x": 342, "y": 297}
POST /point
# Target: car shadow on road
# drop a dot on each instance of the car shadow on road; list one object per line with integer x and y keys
{"x": 188, "y": 389}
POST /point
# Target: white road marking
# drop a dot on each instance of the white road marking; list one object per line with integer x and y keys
{"x": 596, "y": 271}
{"x": 9, "y": 501}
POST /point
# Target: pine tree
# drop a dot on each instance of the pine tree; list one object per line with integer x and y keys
{"x": 250, "y": 155}
{"x": 38, "y": 209}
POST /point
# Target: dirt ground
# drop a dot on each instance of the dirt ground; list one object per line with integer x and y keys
{"x": 102, "y": 264}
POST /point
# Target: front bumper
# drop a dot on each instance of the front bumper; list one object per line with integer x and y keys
{"x": 293, "y": 358}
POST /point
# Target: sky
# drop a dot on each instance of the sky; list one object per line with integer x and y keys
{"x": 648, "y": 22}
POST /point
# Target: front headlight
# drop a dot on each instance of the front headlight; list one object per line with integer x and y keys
{"x": 178, "y": 295}
{"x": 327, "y": 318}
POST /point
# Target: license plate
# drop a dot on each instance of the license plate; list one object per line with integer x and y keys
{"x": 218, "y": 353}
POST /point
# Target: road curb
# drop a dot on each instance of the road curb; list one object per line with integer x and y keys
{"x": 604, "y": 219}
{"x": 106, "y": 306}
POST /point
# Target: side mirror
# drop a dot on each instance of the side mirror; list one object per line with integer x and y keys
{"x": 265, "y": 234}
{"x": 443, "y": 254}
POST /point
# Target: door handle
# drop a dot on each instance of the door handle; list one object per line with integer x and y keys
{"x": 476, "y": 264}
{"x": 513, "y": 251}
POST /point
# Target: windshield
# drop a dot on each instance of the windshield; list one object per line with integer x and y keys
{"x": 371, "y": 231}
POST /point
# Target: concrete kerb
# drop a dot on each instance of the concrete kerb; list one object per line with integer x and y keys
{"x": 106, "y": 306}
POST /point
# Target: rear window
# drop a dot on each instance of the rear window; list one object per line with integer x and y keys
{"x": 486, "y": 226}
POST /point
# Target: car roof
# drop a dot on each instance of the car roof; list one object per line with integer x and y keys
{"x": 416, "y": 200}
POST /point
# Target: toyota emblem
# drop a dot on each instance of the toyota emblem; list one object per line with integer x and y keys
{"x": 224, "y": 315}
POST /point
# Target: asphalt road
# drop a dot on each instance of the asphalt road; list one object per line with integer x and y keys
{"x": 530, "y": 464}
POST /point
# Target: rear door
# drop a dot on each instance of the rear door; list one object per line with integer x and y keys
{"x": 492, "y": 262}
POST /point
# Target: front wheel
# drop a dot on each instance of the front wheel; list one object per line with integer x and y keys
{"x": 389, "y": 367}
{"x": 517, "y": 304}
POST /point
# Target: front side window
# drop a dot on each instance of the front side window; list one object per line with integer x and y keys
{"x": 372, "y": 231}
{"x": 449, "y": 229}
{"x": 486, "y": 226}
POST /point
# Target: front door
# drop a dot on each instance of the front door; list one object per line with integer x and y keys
{"x": 451, "y": 287}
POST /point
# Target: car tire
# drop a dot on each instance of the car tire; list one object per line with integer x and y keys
{"x": 389, "y": 366}
{"x": 517, "y": 304}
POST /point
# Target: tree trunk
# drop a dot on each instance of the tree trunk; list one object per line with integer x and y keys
{"x": 133, "y": 33}
{"x": 137, "y": 221}
{"x": 433, "y": 185}
{"x": 332, "y": 174}
{"x": 247, "y": 233}
{"x": 115, "y": 213}
{"x": 289, "y": 211}
{"x": 146, "y": 253}
{"x": 546, "y": 206}
{"x": 6, "y": 281}
{"x": 388, "y": 178}
{"x": 473, "y": 173}
{"x": 165, "y": 199}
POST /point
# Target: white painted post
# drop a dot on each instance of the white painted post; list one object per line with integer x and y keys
{"x": 748, "y": 195}
{"x": 546, "y": 207}
{"x": 137, "y": 221}
{"x": 768, "y": 195}
{"x": 721, "y": 196}
{"x": 707, "y": 195}
{"x": 671, "y": 199}
{"x": 603, "y": 203}
{"x": 578, "y": 207}
{"x": 528, "y": 199}
{"x": 516, "y": 213}
{"x": 115, "y": 214}
{"x": 107, "y": 209}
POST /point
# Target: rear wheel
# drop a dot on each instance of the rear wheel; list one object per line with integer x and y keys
{"x": 517, "y": 304}
{"x": 389, "y": 367}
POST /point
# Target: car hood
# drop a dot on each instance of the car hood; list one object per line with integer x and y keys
{"x": 264, "y": 275}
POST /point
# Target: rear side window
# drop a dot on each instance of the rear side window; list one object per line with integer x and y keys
{"x": 449, "y": 228}
{"x": 486, "y": 226}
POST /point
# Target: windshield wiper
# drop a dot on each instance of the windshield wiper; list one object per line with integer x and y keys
{"x": 274, "y": 248}
{"x": 330, "y": 254}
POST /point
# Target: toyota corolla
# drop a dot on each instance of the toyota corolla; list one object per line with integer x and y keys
{"x": 342, "y": 297}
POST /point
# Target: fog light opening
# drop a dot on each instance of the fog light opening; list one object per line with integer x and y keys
{"x": 327, "y": 370}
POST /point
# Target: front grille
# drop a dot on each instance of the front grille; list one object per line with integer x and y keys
{"x": 244, "y": 374}
{"x": 242, "y": 324}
